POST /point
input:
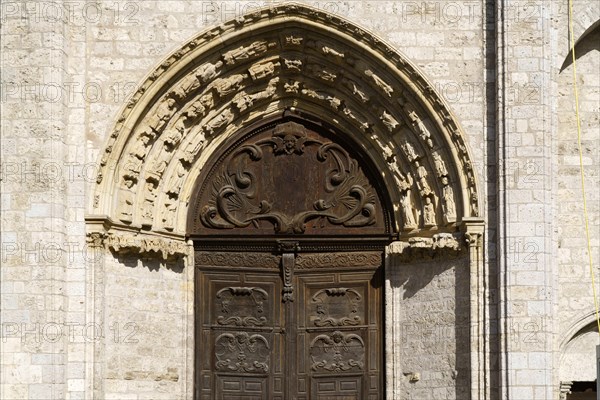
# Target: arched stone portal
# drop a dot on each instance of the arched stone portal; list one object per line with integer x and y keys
{"x": 292, "y": 60}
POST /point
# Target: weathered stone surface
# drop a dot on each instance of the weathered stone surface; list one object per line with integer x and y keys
{"x": 110, "y": 315}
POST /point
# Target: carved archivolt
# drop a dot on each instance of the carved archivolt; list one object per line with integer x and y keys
{"x": 294, "y": 59}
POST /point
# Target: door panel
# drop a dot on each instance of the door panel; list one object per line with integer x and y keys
{"x": 241, "y": 329}
{"x": 326, "y": 344}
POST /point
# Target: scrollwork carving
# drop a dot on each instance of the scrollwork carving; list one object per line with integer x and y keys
{"x": 350, "y": 200}
{"x": 242, "y": 352}
{"x": 328, "y": 260}
{"x": 337, "y": 352}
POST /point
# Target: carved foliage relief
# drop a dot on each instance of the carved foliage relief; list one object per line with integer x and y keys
{"x": 289, "y": 179}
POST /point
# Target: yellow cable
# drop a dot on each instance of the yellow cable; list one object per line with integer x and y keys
{"x": 585, "y": 214}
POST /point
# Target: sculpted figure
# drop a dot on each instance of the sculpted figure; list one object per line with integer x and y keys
{"x": 163, "y": 114}
{"x": 409, "y": 150}
{"x": 148, "y": 206}
{"x": 422, "y": 179}
{"x": 126, "y": 197}
{"x": 357, "y": 92}
{"x": 193, "y": 147}
{"x": 420, "y": 125}
{"x": 177, "y": 180}
{"x": 261, "y": 70}
{"x": 407, "y": 211}
{"x": 448, "y": 205}
{"x": 174, "y": 135}
{"x": 225, "y": 86}
{"x": 390, "y": 122}
{"x": 329, "y": 51}
{"x": 428, "y": 213}
{"x": 321, "y": 72}
{"x": 200, "y": 106}
{"x": 440, "y": 166}
{"x": 219, "y": 121}
{"x": 293, "y": 64}
{"x": 208, "y": 71}
{"x": 245, "y": 52}
{"x": 169, "y": 215}
{"x": 380, "y": 82}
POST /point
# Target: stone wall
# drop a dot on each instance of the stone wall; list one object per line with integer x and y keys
{"x": 69, "y": 67}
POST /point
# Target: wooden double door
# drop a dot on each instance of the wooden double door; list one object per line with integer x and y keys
{"x": 289, "y": 326}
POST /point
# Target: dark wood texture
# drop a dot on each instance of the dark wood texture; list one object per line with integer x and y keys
{"x": 314, "y": 335}
{"x": 287, "y": 179}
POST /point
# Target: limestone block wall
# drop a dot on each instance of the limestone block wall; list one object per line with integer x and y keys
{"x": 67, "y": 69}
{"x": 575, "y": 301}
{"x": 428, "y": 310}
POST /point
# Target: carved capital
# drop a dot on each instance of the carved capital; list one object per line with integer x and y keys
{"x": 96, "y": 239}
{"x": 145, "y": 243}
{"x": 422, "y": 248}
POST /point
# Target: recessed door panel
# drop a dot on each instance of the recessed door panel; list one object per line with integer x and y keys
{"x": 255, "y": 344}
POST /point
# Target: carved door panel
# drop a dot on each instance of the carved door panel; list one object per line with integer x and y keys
{"x": 339, "y": 336}
{"x": 240, "y": 333}
{"x": 315, "y": 336}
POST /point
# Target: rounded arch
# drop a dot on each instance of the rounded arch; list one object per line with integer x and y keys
{"x": 285, "y": 58}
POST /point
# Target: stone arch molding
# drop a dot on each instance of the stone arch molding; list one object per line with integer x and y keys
{"x": 286, "y": 58}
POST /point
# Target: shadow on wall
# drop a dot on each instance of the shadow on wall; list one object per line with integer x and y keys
{"x": 152, "y": 261}
{"x": 433, "y": 315}
{"x": 589, "y": 41}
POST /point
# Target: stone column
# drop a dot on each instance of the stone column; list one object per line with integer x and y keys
{"x": 473, "y": 229}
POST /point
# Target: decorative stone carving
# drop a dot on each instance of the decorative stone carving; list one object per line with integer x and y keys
{"x": 245, "y": 52}
{"x": 219, "y": 121}
{"x": 244, "y": 100}
{"x": 201, "y": 75}
{"x": 159, "y": 118}
{"x": 422, "y": 184}
{"x": 448, "y": 204}
{"x": 261, "y": 70}
{"x": 199, "y": 107}
{"x": 387, "y": 89}
{"x": 409, "y": 150}
{"x": 293, "y": 40}
{"x": 126, "y": 200}
{"x": 148, "y": 206}
{"x": 193, "y": 147}
{"x": 440, "y": 166}
{"x": 158, "y": 166}
{"x": 130, "y": 242}
{"x": 295, "y": 65}
{"x": 428, "y": 213}
{"x": 321, "y": 72}
{"x": 441, "y": 245}
{"x": 356, "y": 90}
{"x": 147, "y": 116}
{"x": 408, "y": 215}
{"x": 173, "y": 136}
{"x": 292, "y": 86}
{"x": 390, "y": 122}
{"x": 228, "y": 85}
{"x": 177, "y": 181}
{"x": 325, "y": 49}
{"x": 169, "y": 214}
{"x": 419, "y": 125}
